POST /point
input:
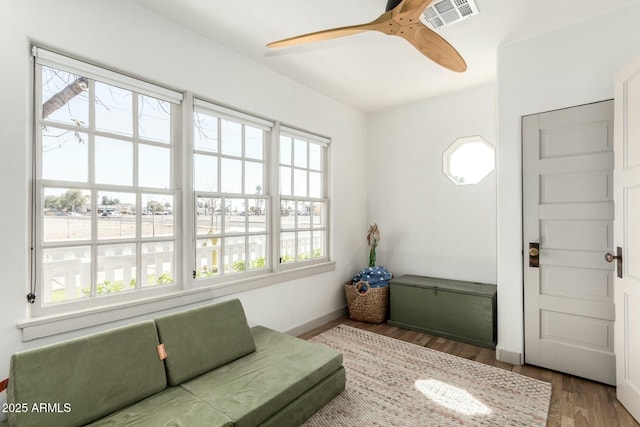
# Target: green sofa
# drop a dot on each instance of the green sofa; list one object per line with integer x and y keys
{"x": 218, "y": 372}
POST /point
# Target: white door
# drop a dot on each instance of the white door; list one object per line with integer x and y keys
{"x": 568, "y": 211}
{"x": 627, "y": 236}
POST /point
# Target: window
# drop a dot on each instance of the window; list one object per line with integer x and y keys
{"x": 130, "y": 206}
{"x": 234, "y": 203}
{"x": 105, "y": 224}
{"x": 468, "y": 160}
{"x": 303, "y": 201}
{"x": 230, "y": 192}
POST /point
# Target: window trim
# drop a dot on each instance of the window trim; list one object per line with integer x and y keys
{"x": 44, "y": 326}
{"x": 230, "y": 114}
{"x": 325, "y": 144}
{"x": 184, "y": 291}
{"x": 41, "y": 309}
{"x": 454, "y": 146}
{"x": 95, "y": 72}
{"x": 245, "y": 119}
{"x": 295, "y": 132}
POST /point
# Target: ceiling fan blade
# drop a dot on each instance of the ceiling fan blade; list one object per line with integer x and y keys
{"x": 402, "y": 18}
{"x": 434, "y": 47}
{"x": 321, "y": 35}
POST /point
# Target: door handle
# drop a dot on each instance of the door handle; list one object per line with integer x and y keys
{"x": 534, "y": 255}
{"x": 609, "y": 257}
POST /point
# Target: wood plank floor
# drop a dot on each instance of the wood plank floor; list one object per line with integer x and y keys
{"x": 575, "y": 402}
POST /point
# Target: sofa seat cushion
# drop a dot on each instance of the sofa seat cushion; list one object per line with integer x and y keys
{"x": 87, "y": 378}
{"x": 201, "y": 339}
{"x": 171, "y": 407}
{"x": 301, "y": 409}
{"x": 251, "y": 389}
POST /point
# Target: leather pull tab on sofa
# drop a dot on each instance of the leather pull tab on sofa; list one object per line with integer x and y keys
{"x": 216, "y": 372}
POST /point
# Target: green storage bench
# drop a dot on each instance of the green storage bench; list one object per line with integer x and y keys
{"x": 217, "y": 372}
{"x": 462, "y": 311}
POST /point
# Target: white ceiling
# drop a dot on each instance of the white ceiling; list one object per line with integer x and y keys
{"x": 371, "y": 71}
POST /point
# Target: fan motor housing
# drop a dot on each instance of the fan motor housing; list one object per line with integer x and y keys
{"x": 392, "y": 3}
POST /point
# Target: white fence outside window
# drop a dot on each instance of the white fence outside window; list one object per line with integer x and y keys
{"x": 67, "y": 271}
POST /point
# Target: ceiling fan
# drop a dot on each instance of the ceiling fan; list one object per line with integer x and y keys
{"x": 402, "y": 18}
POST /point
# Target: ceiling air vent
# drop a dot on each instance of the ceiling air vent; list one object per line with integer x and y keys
{"x": 447, "y": 12}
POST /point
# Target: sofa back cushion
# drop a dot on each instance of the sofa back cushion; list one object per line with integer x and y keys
{"x": 78, "y": 381}
{"x": 202, "y": 339}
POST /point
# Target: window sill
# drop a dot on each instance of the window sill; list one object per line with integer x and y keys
{"x": 52, "y": 325}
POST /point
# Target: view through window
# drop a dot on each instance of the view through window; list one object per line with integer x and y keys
{"x": 468, "y": 160}
{"x": 105, "y": 210}
{"x": 112, "y": 187}
{"x": 231, "y": 204}
{"x": 303, "y": 202}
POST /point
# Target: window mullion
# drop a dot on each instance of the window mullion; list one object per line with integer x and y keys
{"x": 295, "y": 199}
{"x": 177, "y": 193}
{"x": 274, "y": 188}
{"x": 219, "y": 154}
{"x": 308, "y": 168}
{"x": 268, "y": 191}
{"x": 184, "y": 180}
{"x": 223, "y": 228}
{"x": 223, "y": 203}
{"x": 246, "y": 215}
{"x": 247, "y": 257}
{"x": 94, "y": 191}
{"x": 136, "y": 153}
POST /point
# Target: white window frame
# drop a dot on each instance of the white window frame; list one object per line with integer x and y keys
{"x": 324, "y": 144}
{"x": 275, "y": 269}
{"x": 224, "y": 113}
{"x": 40, "y": 307}
{"x": 68, "y": 317}
{"x": 455, "y": 146}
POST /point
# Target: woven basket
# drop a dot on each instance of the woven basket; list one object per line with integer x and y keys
{"x": 371, "y": 306}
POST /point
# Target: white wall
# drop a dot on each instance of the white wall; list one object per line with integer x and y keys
{"x": 125, "y": 37}
{"x": 429, "y": 226}
{"x": 446, "y": 231}
{"x": 570, "y": 67}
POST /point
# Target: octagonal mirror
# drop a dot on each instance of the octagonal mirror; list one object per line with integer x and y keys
{"x": 468, "y": 160}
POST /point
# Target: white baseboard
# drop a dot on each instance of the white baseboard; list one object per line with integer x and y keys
{"x": 319, "y": 321}
{"x": 508, "y": 356}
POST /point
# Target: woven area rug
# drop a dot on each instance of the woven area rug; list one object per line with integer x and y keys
{"x": 394, "y": 383}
